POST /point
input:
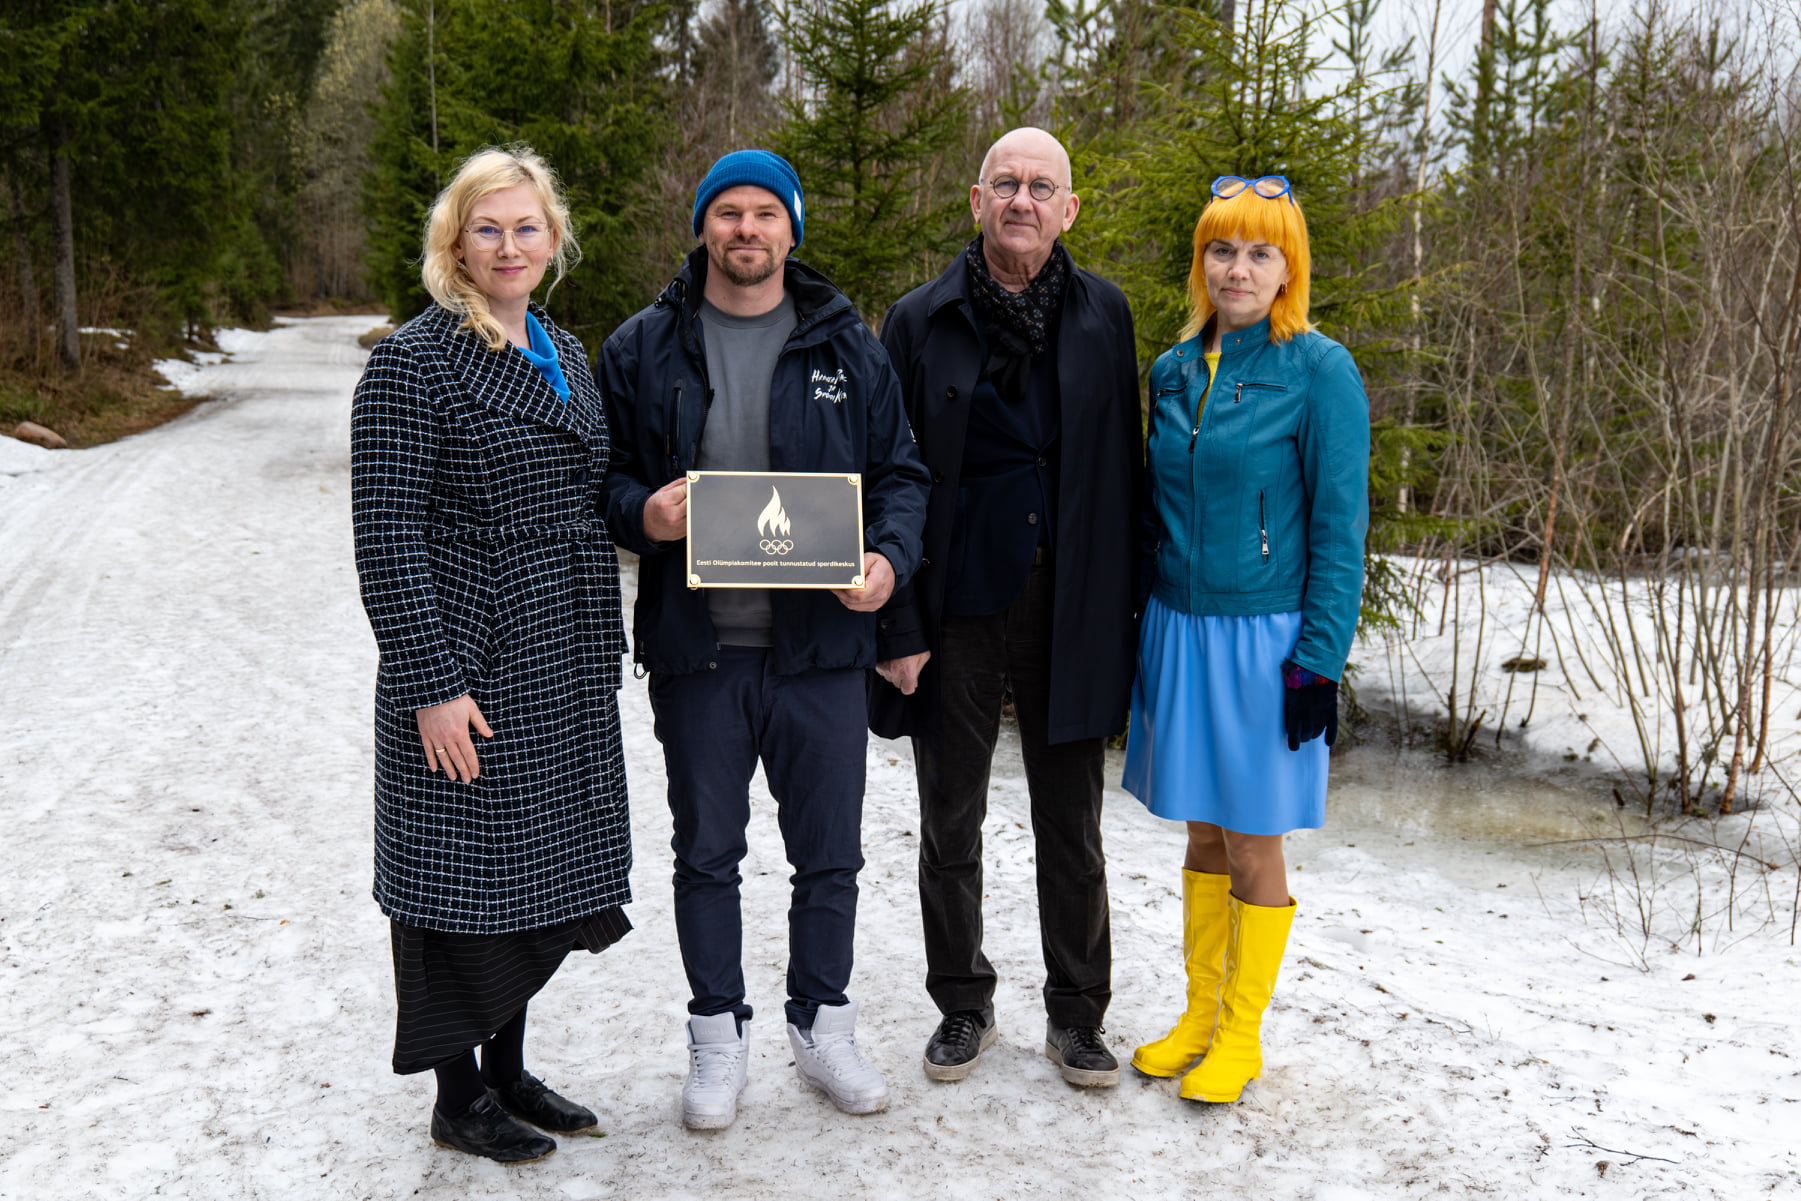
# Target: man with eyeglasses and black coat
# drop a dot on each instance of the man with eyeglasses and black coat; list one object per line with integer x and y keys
{"x": 1021, "y": 382}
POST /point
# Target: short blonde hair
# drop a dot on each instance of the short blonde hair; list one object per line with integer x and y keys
{"x": 489, "y": 170}
{"x": 1255, "y": 219}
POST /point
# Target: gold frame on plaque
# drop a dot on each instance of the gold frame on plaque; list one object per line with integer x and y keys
{"x": 766, "y": 523}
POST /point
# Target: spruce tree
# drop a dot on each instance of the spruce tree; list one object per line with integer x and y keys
{"x": 876, "y": 111}
{"x": 580, "y": 84}
{"x": 1256, "y": 101}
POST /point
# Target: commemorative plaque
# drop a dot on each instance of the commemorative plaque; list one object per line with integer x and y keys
{"x": 775, "y": 529}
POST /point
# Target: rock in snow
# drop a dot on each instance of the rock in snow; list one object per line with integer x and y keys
{"x": 39, "y": 435}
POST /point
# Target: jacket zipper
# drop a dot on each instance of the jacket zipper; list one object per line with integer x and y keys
{"x": 1199, "y": 409}
{"x": 675, "y": 451}
{"x": 1262, "y": 528}
{"x": 1238, "y": 392}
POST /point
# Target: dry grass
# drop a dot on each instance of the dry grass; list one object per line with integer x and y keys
{"x": 332, "y": 307}
{"x": 116, "y": 393}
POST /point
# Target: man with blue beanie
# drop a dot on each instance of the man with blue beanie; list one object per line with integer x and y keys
{"x": 750, "y": 361}
{"x": 757, "y": 169}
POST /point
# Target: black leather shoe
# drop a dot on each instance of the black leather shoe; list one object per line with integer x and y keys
{"x": 958, "y": 1042}
{"x": 530, "y": 1101}
{"x": 1080, "y": 1053}
{"x": 490, "y": 1132}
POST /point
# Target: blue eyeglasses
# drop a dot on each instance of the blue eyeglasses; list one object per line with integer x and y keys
{"x": 1270, "y": 187}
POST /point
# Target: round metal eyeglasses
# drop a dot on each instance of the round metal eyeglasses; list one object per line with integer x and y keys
{"x": 525, "y": 237}
{"x": 1041, "y": 190}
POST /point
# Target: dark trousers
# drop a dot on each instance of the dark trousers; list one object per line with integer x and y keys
{"x": 979, "y": 659}
{"x": 808, "y": 731}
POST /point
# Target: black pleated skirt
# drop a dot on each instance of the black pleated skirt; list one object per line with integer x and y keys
{"x": 455, "y": 990}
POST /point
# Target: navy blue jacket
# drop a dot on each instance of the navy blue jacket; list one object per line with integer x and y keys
{"x": 931, "y": 336}
{"x": 653, "y": 374}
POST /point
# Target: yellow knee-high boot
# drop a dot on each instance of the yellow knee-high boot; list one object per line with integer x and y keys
{"x": 1254, "y": 949}
{"x": 1204, "y": 926}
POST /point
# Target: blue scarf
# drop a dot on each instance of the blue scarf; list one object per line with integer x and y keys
{"x": 543, "y": 355}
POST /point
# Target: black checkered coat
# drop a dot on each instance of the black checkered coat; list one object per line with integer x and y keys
{"x": 486, "y": 570}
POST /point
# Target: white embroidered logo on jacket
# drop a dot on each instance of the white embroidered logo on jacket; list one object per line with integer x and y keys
{"x": 832, "y": 387}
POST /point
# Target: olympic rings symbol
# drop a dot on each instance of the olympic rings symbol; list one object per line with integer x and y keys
{"x": 776, "y": 546}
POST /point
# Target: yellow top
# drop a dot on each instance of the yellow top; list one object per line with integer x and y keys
{"x": 1212, "y": 370}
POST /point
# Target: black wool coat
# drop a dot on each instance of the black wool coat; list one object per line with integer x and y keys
{"x": 485, "y": 569}
{"x": 931, "y": 337}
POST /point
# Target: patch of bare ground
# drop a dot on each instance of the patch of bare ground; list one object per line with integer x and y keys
{"x": 331, "y": 307}
{"x": 116, "y": 393}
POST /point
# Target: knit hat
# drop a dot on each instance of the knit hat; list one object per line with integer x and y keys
{"x": 758, "y": 168}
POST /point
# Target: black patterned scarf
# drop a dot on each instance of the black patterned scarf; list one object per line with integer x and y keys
{"x": 1017, "y": 324}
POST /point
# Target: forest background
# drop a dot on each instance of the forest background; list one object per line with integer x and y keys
{"x": 1568, "y": 268}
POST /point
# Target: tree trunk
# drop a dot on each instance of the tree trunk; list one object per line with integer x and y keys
{"x": 1485, "y": 83}
{"x": 62, "y": 237}
{"x": 63, "y": 251}
{"x": 1228, "y": 16}
{"x": 28, "y": 281}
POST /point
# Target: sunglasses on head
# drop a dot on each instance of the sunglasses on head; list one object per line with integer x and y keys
{"x": 1270, "y": 187}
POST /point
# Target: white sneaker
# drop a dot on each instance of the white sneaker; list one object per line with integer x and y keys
{"x": 718, "y": 1060}
{"x": 827, "y": 1058}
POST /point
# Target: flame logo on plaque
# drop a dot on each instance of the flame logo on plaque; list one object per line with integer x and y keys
{"x": 773, "y": 525}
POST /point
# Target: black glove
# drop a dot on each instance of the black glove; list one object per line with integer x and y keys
{"x": 1309, "y": 706}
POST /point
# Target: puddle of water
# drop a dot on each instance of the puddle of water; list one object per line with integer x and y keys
{"x": 1480, "y": 823}
{"x": 1502, "y": 803}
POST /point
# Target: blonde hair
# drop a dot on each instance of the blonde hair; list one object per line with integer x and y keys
{"x": 489, "y": 170}
{"x": 1255, "y": 219}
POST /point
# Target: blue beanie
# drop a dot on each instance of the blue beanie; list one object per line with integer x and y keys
{"x": 758, "y": 168}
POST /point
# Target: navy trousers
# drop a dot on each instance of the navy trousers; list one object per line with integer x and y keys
{"x": 809, "y": 732}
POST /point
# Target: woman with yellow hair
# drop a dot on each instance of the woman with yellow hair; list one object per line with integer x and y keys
{"x": 478, "y": 447}
{"x": 1259, "y": 466}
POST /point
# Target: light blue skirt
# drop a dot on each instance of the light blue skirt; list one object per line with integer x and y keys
{"x": 1207, "y": 743}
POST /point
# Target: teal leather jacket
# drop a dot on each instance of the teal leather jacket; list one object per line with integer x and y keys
{"x": 1262, "y": 506}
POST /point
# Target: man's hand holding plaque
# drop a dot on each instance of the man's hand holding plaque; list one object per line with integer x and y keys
{"x": 878, "y": 584}
{"x": 666, "y": 512}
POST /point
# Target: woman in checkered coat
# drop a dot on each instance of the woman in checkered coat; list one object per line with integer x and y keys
{"x": 502, "y": 840}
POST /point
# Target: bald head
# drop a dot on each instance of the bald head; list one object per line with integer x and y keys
{"x": 1028, "y": 141}
{"x": 1019, "y": 230}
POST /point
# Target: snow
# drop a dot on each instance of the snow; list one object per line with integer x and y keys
{"x": 121, "y": 337}
{"x": 190, "y": 375}
{"x": 1593, "y": 699}
{"x": 198, "y": 998}
{"x": 21, "y": 458}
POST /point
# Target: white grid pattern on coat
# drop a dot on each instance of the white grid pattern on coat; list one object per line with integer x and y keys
{"x": 486, "y": 570}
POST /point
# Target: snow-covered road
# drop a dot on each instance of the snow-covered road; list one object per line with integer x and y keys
{"x": 196, "y": 1000}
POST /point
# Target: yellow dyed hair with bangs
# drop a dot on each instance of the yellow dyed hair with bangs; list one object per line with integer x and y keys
{"x": 1255, "y": 219}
